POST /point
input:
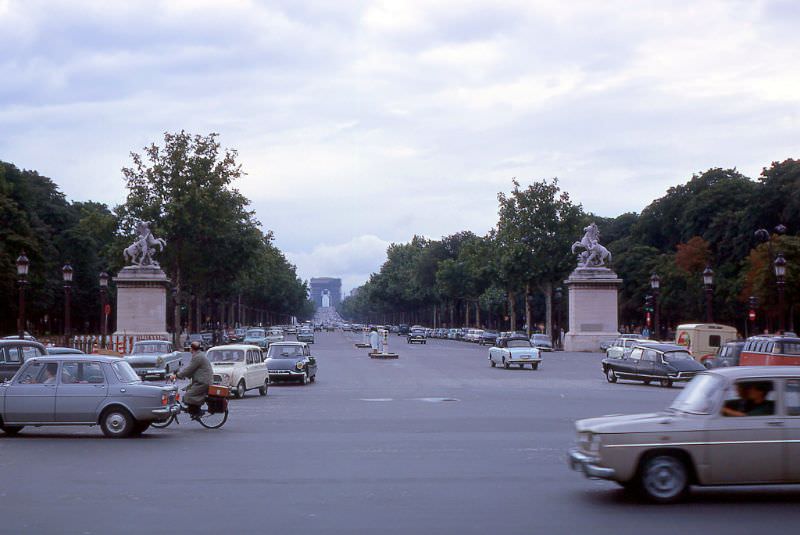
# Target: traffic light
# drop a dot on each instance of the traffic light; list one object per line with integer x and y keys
{"x": 648, "y": 303}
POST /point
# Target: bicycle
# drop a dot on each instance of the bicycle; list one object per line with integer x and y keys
{"x": 213, "y": 413}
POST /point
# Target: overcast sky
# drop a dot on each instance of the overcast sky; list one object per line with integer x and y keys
{"x": 363, "y": 123}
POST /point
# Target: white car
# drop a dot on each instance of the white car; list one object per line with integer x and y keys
{"x": 240, "y": 368}
{"x": 274, "y": 335}
{"x": 473, "y": 335}
{"x": 515, "y": 350}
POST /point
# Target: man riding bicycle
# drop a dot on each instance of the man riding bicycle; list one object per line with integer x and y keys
{"x": 200, "y": 372}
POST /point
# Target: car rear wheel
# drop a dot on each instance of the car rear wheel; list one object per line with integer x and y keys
{"x": 664, "y": 478}
{"x": 666, "y": 383}
{"x": 241, "y": 389}
{"x": 506, "y": 365}
{"x": 492, "y": 363}
{"x": 11, "y": 430}
{"x": 611, "y": 377}
{"x": 535, "y": 366}
{"x": 117, "y": 423}
{"x": 263, "y": 388}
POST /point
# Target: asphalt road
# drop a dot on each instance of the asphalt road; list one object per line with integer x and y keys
{"x": 434, "y": 442}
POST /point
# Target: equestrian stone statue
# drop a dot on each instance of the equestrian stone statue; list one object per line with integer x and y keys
{"x": 594, "y": 254}
{"x": 140, "y": 252}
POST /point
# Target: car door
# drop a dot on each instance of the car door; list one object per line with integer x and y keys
{"x": 626, "y": 366}
{"x": 646, "y": 366}
{"x": 745, "y": 449}
{"x": 31, "y": 398}
{"x": 791, "y": 403}
{"x": 81, "y": 390}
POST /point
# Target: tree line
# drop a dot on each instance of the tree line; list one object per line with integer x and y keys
{"x": 513, "y": 275}
{"x": 222, "y": 265}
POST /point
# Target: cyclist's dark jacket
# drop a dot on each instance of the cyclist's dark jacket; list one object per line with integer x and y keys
{"x": 202, "y": 375}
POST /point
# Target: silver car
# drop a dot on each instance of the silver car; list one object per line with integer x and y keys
{"x": 154, "y": 358}
{"x": 729, "y": 426}
{"x": 83, "y": 390}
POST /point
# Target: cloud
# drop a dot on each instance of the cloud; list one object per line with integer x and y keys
{"x": 391, "y": 119}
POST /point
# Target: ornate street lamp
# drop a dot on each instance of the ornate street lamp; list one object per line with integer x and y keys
{"x": 780, "y": 277}
{"x": 655, "y": 284}
{"x": 708, "y": 282}
{"x": 103, "y": 304}
{"x": 67, "y": 273}
{"x": 22, "y": 280}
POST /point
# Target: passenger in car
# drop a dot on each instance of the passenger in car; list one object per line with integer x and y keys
{"x": 752, "y": 400}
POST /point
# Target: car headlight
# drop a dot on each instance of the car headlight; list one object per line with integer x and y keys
{"x": 589, "y": 442}
{"x": 160, "y": 361}
{"x": 299, "y": 365}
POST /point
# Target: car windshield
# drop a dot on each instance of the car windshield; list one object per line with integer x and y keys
{"x": 541, "y": 337}
{"x": 284, "y": 352}
{"x": 225, "y": 355}
{"x": 700, "y": 395}
{"x": 150, "y": 347}
{"x": 417, "y": 331}
{"x": 276, "y": 332}
{"x": 518, "y": 343}
{"x": 124, "y": 372}
{"x": 255, "y": 333}
{"x": 673, "y": 356}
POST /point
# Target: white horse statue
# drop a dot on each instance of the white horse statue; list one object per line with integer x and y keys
{"x": 140, "y": 252}
{"x": 594, "y": 254}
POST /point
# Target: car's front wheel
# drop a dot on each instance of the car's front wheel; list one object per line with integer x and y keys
{"x": 664, "y": 478}
{"x": 611, "y": 377}
{"x": 666, "y": 383}
{"x": 262, "y": 390}
{"x": 11, "y": 430}
{"x": 240, "y": 390}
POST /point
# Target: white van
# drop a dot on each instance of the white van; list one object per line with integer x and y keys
{"x": 704, "y": 339}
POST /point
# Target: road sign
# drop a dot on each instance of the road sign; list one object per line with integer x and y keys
{"x": 752, "y": 315}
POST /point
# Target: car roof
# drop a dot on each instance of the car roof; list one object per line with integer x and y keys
{"x": 288, "y": 343}
{"x": 743, "y": 372}
{"x": 81, "y": 358}
{"x": 236, "y": 346}
{"x": 16, "y": 341}
{"x": 660, "y": 346}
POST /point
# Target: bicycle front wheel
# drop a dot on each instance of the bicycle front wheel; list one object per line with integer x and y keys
{"x": 213, "y": 420}
{"x": 165, "y": 423}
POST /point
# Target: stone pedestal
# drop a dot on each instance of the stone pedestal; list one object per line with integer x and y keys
{"x": 593, "y": 310}
{"x": 142, "y": 303}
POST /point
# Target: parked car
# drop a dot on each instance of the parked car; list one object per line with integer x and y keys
{"x": 729, "y": 426}
{"x": 542, "y": 341}
{"x": 472, "y": 335}
{"x": 653, "y": 361}
{"x": 305, "y": 335}
{"x": 239, "y": 367}
{"x": 195, "y": 338}
{"x": 291, "y": 361}
{"x": 403, "y": 330}
{"x": 728, "y": 355}
{"x": 14, "y": 352}
{"x": 416, "y": 336}
{"x": 154, "y": 358}
{"x": 517, "y": 351}
{"x": 488, "y": 337}
{"x": 83, "y": 390}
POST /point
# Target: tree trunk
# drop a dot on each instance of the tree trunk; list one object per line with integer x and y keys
{"x": 477, "y": 314}
{"x": 466, "y": 313}
{"x": 547, "y": 289}
{"x": 512, "y": 311}
{"x": 528, "y": 328}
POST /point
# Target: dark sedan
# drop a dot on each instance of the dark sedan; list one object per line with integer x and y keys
{"x": 488, "y": 337}
{"x": 291, "y": 361}
{"x": 417, "y": 336}
{"x": 647, "y": 362}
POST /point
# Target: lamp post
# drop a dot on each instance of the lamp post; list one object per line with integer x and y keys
{"x": 655, "y": 284}
{"x": 103, "y": 305}
{"x": 22, "y": 280}
{"x": 780, "y": 277}
{"x": 557, "y": 334}
{"x": 67, "y": 272}
{"x": 708, "y": 282}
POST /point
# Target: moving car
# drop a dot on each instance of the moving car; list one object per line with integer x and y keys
{"x": 195, "y": 338}
{"x": 64, "y": 351}
{"x": 653, "y": 361}
{"x": 257, "y": 337}
{"x": 83, "y": 390}
{"x": 771, "y": 350}
{"x": 516, "y": 350}
{"x": 154, "y": 358}
{"x": 291, "y": 361}
{"x": 240, "y": 368}
{"x": 14, "y": 352}
{"x": 417, "y": 336}
{"x": 729, "y": 426}
{"x": 403, "y": 330}
{"x": 305, "y": 335}
{"x": 275, "y": 335}
{"x": 488, "y": 337}
{"x": 703, "y": 340}
{"x": 542, "y": 341}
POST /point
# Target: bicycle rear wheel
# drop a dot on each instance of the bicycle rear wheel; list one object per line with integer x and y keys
{"x": 213, "y": 420}
{"x": 165, "y": 423}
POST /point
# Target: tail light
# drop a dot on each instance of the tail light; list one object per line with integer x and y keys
{"x": 164, "y": 399}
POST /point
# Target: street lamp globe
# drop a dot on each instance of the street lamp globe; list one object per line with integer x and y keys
{"x": 708, "y": 276}
{"x": 67, "y": 272}
{"x": 22, "y": 265}
{"x": 104, "y": 279}
{"x": 780, "y": 266}
{"x": 655, "y": 281}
